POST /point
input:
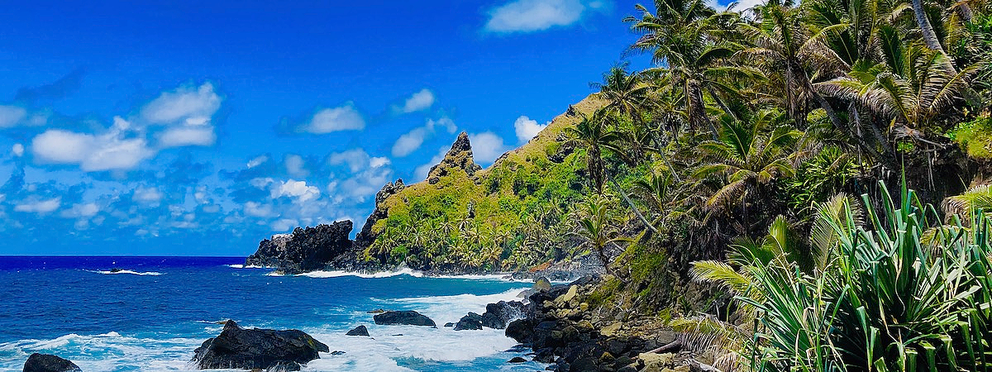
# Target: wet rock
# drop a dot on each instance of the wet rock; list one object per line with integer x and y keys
{"x": 517, "y": 360}
{"x": 241, "y": 348}
{"x": 499, "y": 314}
{"x": 470, "y": 322}
{"x": 309, "y": 249}
{"x": 521, "y": 330}
{"x": 48, "y": 363}
{"x": 542, "y": 284}
{"x": 449, "y": 325}
{"x": 358, "y": 331}
{"x": 403, "y": 318}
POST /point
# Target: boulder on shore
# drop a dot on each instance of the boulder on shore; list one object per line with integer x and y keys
{"x": 499, "y": 314}
{"x": 470, "y": 322}
{"x": 48, "y": 363}
{"x": 403, "y": 318}
{"x": 241, "y": 348}
{"x": 358, "y": 331}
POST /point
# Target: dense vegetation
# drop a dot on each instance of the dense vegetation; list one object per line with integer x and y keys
{"x": 735, "y": 152}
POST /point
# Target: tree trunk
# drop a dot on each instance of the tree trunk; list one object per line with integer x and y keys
{"x": 929, "y": 36}
{"x": 698, "y": 108}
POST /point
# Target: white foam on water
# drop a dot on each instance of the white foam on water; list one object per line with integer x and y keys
{"x": 105, "y": 352}
{"x": 242, "y": 266}
{"x": 129, "y": 272}
{"x": 384, "y": 274}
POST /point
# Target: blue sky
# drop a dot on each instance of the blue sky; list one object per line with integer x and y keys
{"x": 199, "y": 128}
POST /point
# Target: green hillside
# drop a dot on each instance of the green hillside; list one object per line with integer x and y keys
{"x": 512, "y": 215}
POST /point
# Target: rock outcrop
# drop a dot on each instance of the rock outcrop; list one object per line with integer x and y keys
{"x": 470, "y": 322}
{"x": 499, "y": 314}
{"x": 458, "y": 159}
{"x": 403, "y": 318}
{"x": 48, "y": 363}
{"x": 358, "y": 331}
{"x": 240, "y": 348}
{"x": 367, "y": 236}
{"x": 309, "y": 249}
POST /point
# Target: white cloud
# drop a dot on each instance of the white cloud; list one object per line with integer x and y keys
{"x": 335, "y": 119}
{"x": 257, "y": 161}
{"x": 185, "y": 105}
{"x": 424, "y": 170}
{"x": 188, "y": 136}
{"x": 285, "y": 224}
{"x": 295, "y": 165}
{"x": 17, "y": 150}
{"x": 357, "y": 159}
{"x": 412, "y": 140}
{"x": 421, "y": 100}
{"x": 147, "y": 195}
{"x": 82, "y": 210}
{"x": 409, "y": 142}
{"x": 365, "y": 183}
{"x": 296, "y": 189}
{"x": 527, "y": 128}
{"x": 39, "y": 206}
{"x": 257, "y": 209}
{"x": 536, "y": 15}
{"x": 112, "y": 150}
{"x": 487, "y": 146}
{"x": 11, "y": 116}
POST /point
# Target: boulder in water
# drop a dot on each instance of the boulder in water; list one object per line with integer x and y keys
{"x": 241, "y": 348}
{"x": 470, "y": 322}
{"x": 48, "y": 363}
{"x": 403, "y": 318}
{"x": 358, "y": 331}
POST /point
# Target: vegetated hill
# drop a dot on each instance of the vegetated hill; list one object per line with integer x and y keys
{"x": 512, "y": 215}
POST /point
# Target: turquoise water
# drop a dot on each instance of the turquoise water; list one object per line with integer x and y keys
{"x": 151, "y": 315}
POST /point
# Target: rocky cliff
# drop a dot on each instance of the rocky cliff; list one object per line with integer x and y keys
{"x": 308, "y": 249}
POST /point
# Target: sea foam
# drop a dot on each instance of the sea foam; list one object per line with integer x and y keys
{"x": 129, "y": 272}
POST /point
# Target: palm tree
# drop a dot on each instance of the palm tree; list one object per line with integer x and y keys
{"x": 678, "y": 35}
{"x": 909, "y": 88}
{"x": 748, "y": 156}
{"x": 596, "y": 228}
{"x": 595, "y": 136}
{"x": 626, "y": 93}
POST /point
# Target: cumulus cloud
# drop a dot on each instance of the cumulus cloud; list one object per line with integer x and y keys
{"x": 421, "y": 100}
{"x": 39, "y": 206}
{"x": 412, "y": 140}
{"x": 537, "y": 15}
{"x": 185, "y": 105}
{"x": 527, "y": 128}
{"x": 284, "y": 224}
{"x": 147, "y": 195}
{"x": 187, "y": 136}
{"x": 299, "y": 190}
{"x": 17, "y": 150}
{"x": 112, "y": 150}
{"x": 345, "y": 117}
{"x": 255, "y": 209}
{"x": 254, "y": 162}
{"x": 424, "y": 170}
{"x": 365, "y": 183}
{"x": 356, "y": 159}
{"x": 487, "y": 146}
{"x": 84, "y": 210}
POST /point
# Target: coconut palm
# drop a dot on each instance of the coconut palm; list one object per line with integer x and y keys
{"x": 747, "y": 158}
{"x": 594, "y": 134}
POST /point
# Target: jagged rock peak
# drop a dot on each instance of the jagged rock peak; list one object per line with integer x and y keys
{"x": 458, "y": 157}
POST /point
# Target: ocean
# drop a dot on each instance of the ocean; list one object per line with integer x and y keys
{"x": 155, "y": 311}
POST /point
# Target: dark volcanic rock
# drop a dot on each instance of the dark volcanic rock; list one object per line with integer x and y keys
{"x": 521, "y": 330}
{"x": 366, "y": 237}
{"x": 403, "y": 318}
{"x": 48, "y": 363}
{"x": 313, "y": 248}
{"x": 458, "y": 158}
{"x": 470, "y": 322}
{"x": 241, "y": 348}
{"x": 358, "y": 331}
{"x": 517, "y": 360}
{"x": 499, "y": 314}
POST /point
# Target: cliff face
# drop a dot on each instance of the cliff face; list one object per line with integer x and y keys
{"x": 457, "y": 159}
{"x": 307, "y": 249}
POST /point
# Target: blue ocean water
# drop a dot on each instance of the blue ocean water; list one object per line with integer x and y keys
{"x": 152, "y": 314}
